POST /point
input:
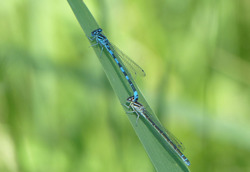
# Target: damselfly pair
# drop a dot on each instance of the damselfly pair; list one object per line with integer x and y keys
{"x": 136, "y": 107}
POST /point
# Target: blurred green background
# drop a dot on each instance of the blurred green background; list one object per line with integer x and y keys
{"x": 58, "y": 111}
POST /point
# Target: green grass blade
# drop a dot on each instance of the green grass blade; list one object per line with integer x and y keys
{"x": 160, "y": 153}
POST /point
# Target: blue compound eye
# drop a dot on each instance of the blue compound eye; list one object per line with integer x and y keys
{"x": 100, "y": 30}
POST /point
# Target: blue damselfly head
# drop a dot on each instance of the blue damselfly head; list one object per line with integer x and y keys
{"x": 96, "y": 32}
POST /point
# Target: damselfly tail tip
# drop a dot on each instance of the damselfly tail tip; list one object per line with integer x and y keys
{"x": 188, "y": 162}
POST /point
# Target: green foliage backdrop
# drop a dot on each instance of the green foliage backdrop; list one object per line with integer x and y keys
{"x": 58, "y": 111}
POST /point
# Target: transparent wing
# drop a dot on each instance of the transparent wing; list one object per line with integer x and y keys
{"x": 176, "y": 141}
{"x": 134, "y": 68}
